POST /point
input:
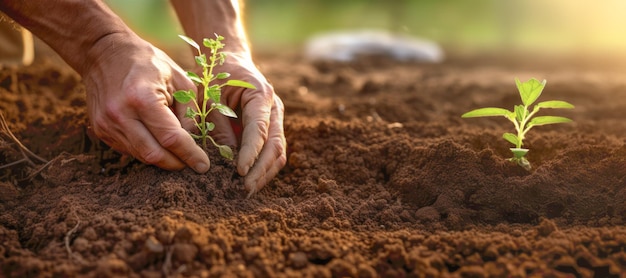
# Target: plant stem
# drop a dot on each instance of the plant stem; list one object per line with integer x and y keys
{"x": 520, "y": 129}
{"x": 213, "y": 141}
{"x": 207, "y": 74}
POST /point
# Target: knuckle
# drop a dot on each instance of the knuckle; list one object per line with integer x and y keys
{"x": 278, "y": 103}
{"x": 262, "y": 127}
{"x": 268, "y": 90}
{"x": 112, "y": 113}
{"x": 135, "y": 99}
{"x": 170, "y": 139}
{"x": 100, "y": 126}
{"x": 267, "y": 95}
{"x": 152, "y": 156}
{"x": 281, "y": 160}
{"x": 173, "y": 141}
{"x": 278, "y": 147}
{"x": 264, "y": 91}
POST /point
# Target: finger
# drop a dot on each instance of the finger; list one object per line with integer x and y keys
{"x": 256, "y": 107}
{"x": 273, "y": 156}
{"x": 142, "y": 145}
{"x": 115, "y": 140}
{"x": 106, "y": 126}
{"x": 171, "y": 137}
{"x": 124, "y": 132}
{"x": 254, "y": 184}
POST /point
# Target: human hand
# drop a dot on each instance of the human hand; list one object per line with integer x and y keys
{"x": 261, "y": 112}
{"x": 130, "y": 104}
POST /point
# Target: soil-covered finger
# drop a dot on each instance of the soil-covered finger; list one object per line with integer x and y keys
{"x": 256, "y": 117}
{"x": 175, "y": 141}
{"x": 143, "y": 146}
{"x": 273, "y": 154}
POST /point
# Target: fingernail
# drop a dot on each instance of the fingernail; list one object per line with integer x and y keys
{"x": 202, "y": 168}
{"x": 243, "y": 170}
{"x": 251, "y": 187}
{"x": 246, "y": 169}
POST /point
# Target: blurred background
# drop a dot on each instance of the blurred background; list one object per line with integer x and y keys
{"x": 461, "y": 27}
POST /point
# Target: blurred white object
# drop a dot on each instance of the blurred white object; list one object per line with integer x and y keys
{"x": 348, "y": 45}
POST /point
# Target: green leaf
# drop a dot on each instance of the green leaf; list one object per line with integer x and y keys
{"x": 226, "y": 152}
{"x": 201, "y": 61}
{"x": 222, "y": 58}
{"x": 195, "y": 136}
{"x": 547, "y": 120}
{"x": 487, "y": 112}
{"x": 209, "y": 43}
{"x": 520, "y": 113}
{"x": 190, "y": 41}
{"x": 555, "y": 104}
{"x": 183, "y": 96}
{"x": 225, "y": 110}
{"x": 213, "y": 93}
{"x": 190, "y": 113}
{"x": 530, "y": 90}
{"x": 239, "y": 83}
{"x": 222, "y": 75}
{"x": 512, "y": 138}
{"x": 194, "y": 77}
{"x": 213, "y": 44}
{"x": 209, "y": 126}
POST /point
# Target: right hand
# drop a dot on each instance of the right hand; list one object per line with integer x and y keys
{"x": 129, "y": 85}
{"x": 263, "y": 150}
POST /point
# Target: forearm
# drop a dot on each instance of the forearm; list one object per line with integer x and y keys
{"x": 71, "y": 27}
{"x": 205, "y": 18}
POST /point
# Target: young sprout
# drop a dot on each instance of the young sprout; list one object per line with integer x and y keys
{"x": 211, "y": 92}
{"x": 523, "y": 118}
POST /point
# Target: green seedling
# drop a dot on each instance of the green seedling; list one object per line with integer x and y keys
{"x": 523, "y": 118}
{"x": 211, "y": 92}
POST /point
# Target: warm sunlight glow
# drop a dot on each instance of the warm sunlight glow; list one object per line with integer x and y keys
{"x": 571, "y": 25}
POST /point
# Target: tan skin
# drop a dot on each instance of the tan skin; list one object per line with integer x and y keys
{"x": 130, "y": 84}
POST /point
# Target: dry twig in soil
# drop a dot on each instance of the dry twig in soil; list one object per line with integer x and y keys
{"x": 26, "y": 153}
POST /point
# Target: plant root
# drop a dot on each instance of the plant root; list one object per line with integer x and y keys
{"x": 38, "y": 171}
{"x": 71, "y": 255}
{"x": 27, "y": 155}
{"x": 14, "y": 163}
{"x": 167, "y": 264}
{"x": 522, "y": 162}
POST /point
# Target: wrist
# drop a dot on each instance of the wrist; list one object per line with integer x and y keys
{"x": 204, "y": 19}
{"x": 71, "y": 27}
{"x": 106, "y": 49}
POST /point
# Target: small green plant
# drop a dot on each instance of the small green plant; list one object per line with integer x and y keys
{"x": 211, "y": 92}
{"x": 523, "y": 118}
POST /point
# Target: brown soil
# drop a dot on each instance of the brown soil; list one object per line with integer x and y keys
{"x": 383, "y": 179}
